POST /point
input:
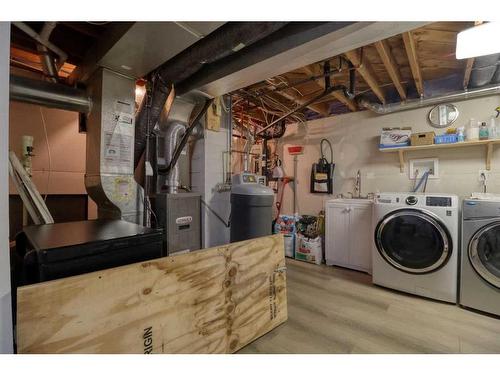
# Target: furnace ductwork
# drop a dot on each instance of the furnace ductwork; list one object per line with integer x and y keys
{"x": 172, "y": 137}
{"x": 483, "y": 70}
{"x": 226, "y": 40}
{"x": 418, "y": 103}
{"x": 48, "y": 94}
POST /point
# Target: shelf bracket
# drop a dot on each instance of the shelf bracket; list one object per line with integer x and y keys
{"x": 401, "y": 161}
{"x": 489, "y": 152}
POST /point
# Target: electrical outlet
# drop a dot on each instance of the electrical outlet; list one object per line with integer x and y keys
{"x": 482, "y": 172}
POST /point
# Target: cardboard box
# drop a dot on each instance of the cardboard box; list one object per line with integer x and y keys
{"x": 395, "y": 137}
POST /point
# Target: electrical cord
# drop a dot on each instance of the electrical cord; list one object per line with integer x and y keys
{"x": 324, "y": 140}
{"x": 48, "y": 153}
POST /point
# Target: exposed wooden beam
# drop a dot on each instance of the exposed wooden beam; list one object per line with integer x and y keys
{"x": 391, "y": 66}
{"x": 315, "y": 70}
{"x": 411, "y": 52}
{"x": 364, "y": 68}
{"x": 469, "y": 64}
{"x": 468, "y": 71}
{"x": 320, "y": 108}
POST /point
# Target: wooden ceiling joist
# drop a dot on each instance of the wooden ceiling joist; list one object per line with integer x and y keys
{"x": 315, "y": 70}
{"x": 411, "y": 52}
{"x": 468, "y": 71}
{"x": 391, "y": 66}
{"x": 364, "y": 68}
{"x": 322, "y": 109}
{"x": 469, "y": 64}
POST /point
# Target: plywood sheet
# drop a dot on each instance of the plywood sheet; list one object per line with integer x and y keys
{"x": 211, "y": 301}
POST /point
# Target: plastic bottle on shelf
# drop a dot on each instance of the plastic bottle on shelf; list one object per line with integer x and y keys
{"x": 472, "y": 131}
{"x": 483, "y": 132}
{"x": 494, "y": 130}
{"x": 460, "y": 134}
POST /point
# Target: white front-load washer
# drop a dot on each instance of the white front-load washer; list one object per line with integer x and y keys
{"x": 416, "y": 244}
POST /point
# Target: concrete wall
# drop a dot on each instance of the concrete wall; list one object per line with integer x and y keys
{"x": 355, "y": 138}
{"x": 6, "y": 339}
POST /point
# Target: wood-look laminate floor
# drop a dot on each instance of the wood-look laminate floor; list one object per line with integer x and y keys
{"x": 335, "y": 310}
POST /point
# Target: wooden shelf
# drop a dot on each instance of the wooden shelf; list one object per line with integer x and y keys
{"x": 488, "y": 144}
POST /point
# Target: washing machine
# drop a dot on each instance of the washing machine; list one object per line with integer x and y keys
{"x": 480, "y": 256}
{"x": 415, "y": 246}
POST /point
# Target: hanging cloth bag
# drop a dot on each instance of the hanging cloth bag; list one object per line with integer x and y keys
{"x": 322, "y": 172}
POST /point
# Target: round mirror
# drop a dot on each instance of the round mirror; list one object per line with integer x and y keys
{"x": 443, "y": 115}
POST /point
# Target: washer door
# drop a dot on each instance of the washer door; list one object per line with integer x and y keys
{"x": 484, "y": 253}
{"x": 413, "y": 241}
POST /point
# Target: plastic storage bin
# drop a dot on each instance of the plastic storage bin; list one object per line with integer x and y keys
{"x": 446, "y": 138}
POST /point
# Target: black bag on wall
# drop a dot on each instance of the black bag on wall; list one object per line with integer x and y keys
{"x": 322, "y": 172}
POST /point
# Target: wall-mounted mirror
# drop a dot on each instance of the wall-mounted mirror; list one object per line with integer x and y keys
{"x": 443, "y": 115}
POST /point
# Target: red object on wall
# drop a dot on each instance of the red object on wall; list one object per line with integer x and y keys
{"x": 295, "y": 150}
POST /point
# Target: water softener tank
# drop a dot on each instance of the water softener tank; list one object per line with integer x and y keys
{"x": 251, "y": 208}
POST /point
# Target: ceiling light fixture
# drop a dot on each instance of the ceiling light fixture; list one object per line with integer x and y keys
{"x": 478, "y": 41}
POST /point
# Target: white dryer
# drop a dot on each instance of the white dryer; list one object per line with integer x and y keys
{"x": 480, "y": 276}
{"x": 416, "y": 243}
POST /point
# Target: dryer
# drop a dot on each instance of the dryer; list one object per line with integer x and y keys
{"x": 480, "y": 258}
{"x": 415, "y": 246}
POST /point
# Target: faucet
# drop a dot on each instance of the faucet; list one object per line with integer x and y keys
{"x": 357, "y": 186}
{"x": 483, "y": 181}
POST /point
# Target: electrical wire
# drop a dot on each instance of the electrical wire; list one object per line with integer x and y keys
{"x": 48, "y": 153}
{"x": 324, "y": 140}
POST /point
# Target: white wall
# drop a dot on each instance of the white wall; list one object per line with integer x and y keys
{"x": 206, "y": 173}
{"x": 6, "y": 342}
{"x": 355, "y": 138}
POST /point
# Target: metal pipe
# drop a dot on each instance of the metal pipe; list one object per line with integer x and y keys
{"x": 418, "y": 103}
{"x": 180, "y": 146}
{"x": 32, "y": 33}
{"x": 48, "y": 94}
{"x": 173, "y": 135}
{"x": 326, "y": 91}
{"x": 48, "y": 62}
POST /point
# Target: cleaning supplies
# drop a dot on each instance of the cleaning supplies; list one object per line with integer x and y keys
{"x": 483, "y": 132}
{"x": 472, "y": 131}
{"x": 461, "y": 134}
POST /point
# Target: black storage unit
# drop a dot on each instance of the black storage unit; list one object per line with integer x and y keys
{"x": 54, "y": 251}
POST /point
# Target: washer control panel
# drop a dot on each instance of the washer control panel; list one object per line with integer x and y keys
{"x": 438, "y": 201}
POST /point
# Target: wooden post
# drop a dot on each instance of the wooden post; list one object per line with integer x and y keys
{"x": 401, "y": 161}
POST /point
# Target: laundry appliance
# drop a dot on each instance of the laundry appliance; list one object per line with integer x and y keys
{"x": 480, "y": 256}
{"x": 415, "y": 247}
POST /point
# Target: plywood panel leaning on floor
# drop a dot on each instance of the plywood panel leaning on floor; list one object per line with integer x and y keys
{"x": 210, "y": 301}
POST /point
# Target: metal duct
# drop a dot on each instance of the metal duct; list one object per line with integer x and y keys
{"x": 109, "y": 176}
{"x": 173, "y": 135}
{"x": 48, "y": 94}
{"x": 418, "y": 103}
{"x": 226, "y": 40}
{"x": 496, "y": 76}
{"x": 48, "y": 62}
{"x": 483, "y": 70}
